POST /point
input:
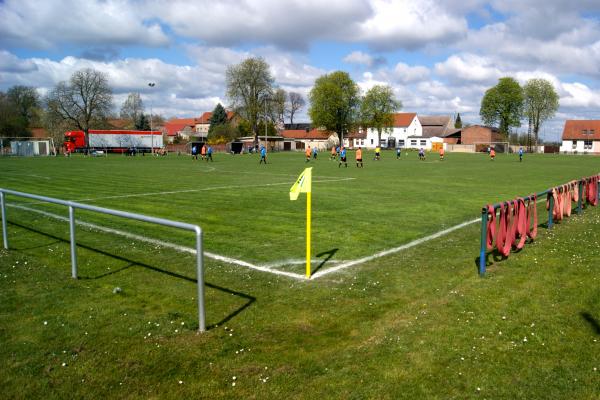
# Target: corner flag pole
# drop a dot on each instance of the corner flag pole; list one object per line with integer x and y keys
{"x": 308, "y": 219}
{"x": 304, "y": 185}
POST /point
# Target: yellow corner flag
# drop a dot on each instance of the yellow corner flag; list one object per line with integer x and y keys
{"x": 302, "y": 185}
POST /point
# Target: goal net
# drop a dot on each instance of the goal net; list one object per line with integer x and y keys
{"x": 25, "y": 146}
{"x": 499, "y": 147}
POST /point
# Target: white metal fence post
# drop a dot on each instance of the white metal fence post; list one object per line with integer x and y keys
{"x": 73, "y": 243}
{"x": 200, "y": 278}
{"x": 4, "y": 225}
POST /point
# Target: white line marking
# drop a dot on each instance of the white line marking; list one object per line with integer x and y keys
{"x": 393, "y": 250}
{"x": 283, "y": 263}
{"x": 157, "y": 242}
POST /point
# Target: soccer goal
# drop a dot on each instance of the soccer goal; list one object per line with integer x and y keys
{"x": 26, "y": 146}
{"x": 499, "y": 147}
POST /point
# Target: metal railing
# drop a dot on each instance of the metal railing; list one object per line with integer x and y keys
{"x": 123, "y": 214}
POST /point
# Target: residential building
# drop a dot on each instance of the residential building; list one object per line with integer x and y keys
{"x": 405, "y": 126}
{"x": 581, "y": 136}
{"x": 298, "y": 139}
{"x": 203, "y": 123}
{"x": 182, "y": 127}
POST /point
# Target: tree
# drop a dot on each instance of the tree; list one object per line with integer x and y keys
{"x": 377, "y": 109}
{"x": 541, "y": 103}
{"x": 218, "y": 117}
{"x": 11, "y": 122}
{"x": 142, "y": 123}
{"x": 19, "y": 111}
{"x": 334, "y": 103}
{"x": 296, "y": 103}
{"x": 249, "y": 84}
{"x": 279, "y": 105}
{"x": 458, "y": 122}
{"x": 223, "y": 133}
{"x": 132, "y": 108}
{"x": 85, "y": 99}
{"x": 503, "y": 105}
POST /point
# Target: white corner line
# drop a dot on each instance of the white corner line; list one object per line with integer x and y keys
{"x": 393, "y": 250}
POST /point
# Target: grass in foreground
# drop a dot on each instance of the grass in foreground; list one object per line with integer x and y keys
{"x": 419, "y": 324}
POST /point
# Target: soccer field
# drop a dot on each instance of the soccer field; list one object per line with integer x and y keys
{"x": 245, "y": 212}
{"x": 415, "y": 323}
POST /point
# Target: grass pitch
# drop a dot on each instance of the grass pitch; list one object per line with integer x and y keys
{"x": 419, "y": 323}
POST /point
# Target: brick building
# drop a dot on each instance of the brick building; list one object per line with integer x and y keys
{"x": 480, "y": 134}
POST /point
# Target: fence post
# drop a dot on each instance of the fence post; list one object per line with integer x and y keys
{"x": 550, "y": 208}
{"x": 482, "y": 258}
{"x": 73, "y": 243}
{"x": 200, "y": 279}
{"x": 579, "y": 202}
{"x": 4, "y": 224}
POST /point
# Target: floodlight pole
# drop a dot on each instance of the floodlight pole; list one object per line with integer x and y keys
{"x": 151, "y": 84}
{"x": 266, "y": 142}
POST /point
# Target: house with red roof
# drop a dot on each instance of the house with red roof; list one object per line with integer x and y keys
{"x": 406, "y": 131}
{"x": 581, "y": 137}
{"x": 203, "y": 123}
{"x": 182, "y": 127}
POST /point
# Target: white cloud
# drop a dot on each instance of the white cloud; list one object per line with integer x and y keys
{"x": 48, "y": 24}
{"x": 468, "y": 68}
{"x": 360, "y": 58}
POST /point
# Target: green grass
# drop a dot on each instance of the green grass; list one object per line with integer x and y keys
{"x": 417, "y": 324}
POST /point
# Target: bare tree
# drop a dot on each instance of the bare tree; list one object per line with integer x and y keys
{"x": 279, "y": 106}
{"x": 84, "y": 100}
{"x": 249, "y": 84}
{"x": 132, "y": 109}
{"x": 296, "y": 103}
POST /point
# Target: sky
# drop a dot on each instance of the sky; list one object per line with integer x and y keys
{"x": 439, "y": 57}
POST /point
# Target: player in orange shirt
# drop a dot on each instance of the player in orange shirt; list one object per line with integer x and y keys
{"x": 333, "y": 153}
{"x": 308, "y": 152}
{"x": 359, "y": 158}
{"x": 492, "y": 154}
{"x": 442, "y": 153}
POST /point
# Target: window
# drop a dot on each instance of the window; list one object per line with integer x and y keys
{"x": 584, "y": 132}
{"x": 362, "y": 142}
{"x": 574, "y": 144}
{"x": 383, "y": 142}
{"x": 371, "y": 141}
{"x": 413, "y": 142}
{"x": 401, "y": 143}
{"x": 591, "y": 132}
{"x": 423, "y": 142}
{"x": 587, "y": 144}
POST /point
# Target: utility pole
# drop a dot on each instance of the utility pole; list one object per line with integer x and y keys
{"x": 151, "y": 84}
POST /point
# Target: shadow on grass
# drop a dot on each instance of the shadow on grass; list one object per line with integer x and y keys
{"x": 592, "y": 321}
{"x": 329, "y": 254}
{"x": 249, "y": 299}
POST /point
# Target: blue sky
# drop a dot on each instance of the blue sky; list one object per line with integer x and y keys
{"x": 438, "y": 58}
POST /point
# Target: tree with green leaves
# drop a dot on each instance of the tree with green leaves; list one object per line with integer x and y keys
{"x": 541, "y": 103}
{"x": 334, "y": 103}
{"x": 132, "y": 109}
{"x": 503, "y": 105}
{"x": 20, "y": 109}
{"x": 458, "y": 122}
{"x": 218, "y": 117}
{"x": 85, "y": 100}
{"x": 249, "y": 85}
{"x": 142, "y": 123}
{"x": 377, "y": 109}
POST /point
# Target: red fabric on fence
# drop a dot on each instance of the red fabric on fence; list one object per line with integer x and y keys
{"x": 532, "y": 210}
{"x": 592, "y": 190}
{"x": 491, "y": 226}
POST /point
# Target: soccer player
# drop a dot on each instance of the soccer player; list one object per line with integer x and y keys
{"x": 520, "y": 154}
{"x": 398, "y": 153}
{"x": 315, "y": 152}
{"x": 307, "y": 153}
{"x": 377, "y": 153}
{"x": 492, "y": 154}
{"x": 359, "y": 158}
{"x": 263, "y": 155}
{"x": 421, "y": 154}
{"x": 203, "y": 152}
{"x": 194, "y": 152}
{"x": 442, "y": 153}
{"x": 343, "y": 157}
{"x": 333, "y": 153}
{"x": 209, "y": 152}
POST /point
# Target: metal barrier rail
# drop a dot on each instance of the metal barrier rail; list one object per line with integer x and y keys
{"x": 139, "y": 217}
{"x": 484, "y": 216}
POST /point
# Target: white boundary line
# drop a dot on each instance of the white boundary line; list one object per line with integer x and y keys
{"x": 157, "y": 242}
{"x": 393, "y": 250}
{"x": 264, "y": 268}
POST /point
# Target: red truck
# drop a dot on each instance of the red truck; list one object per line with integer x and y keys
{"x": 115, "y": 141}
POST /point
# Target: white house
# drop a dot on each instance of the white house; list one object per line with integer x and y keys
{"x": 406, "y": 132}
{"x": 581, "y": 136}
